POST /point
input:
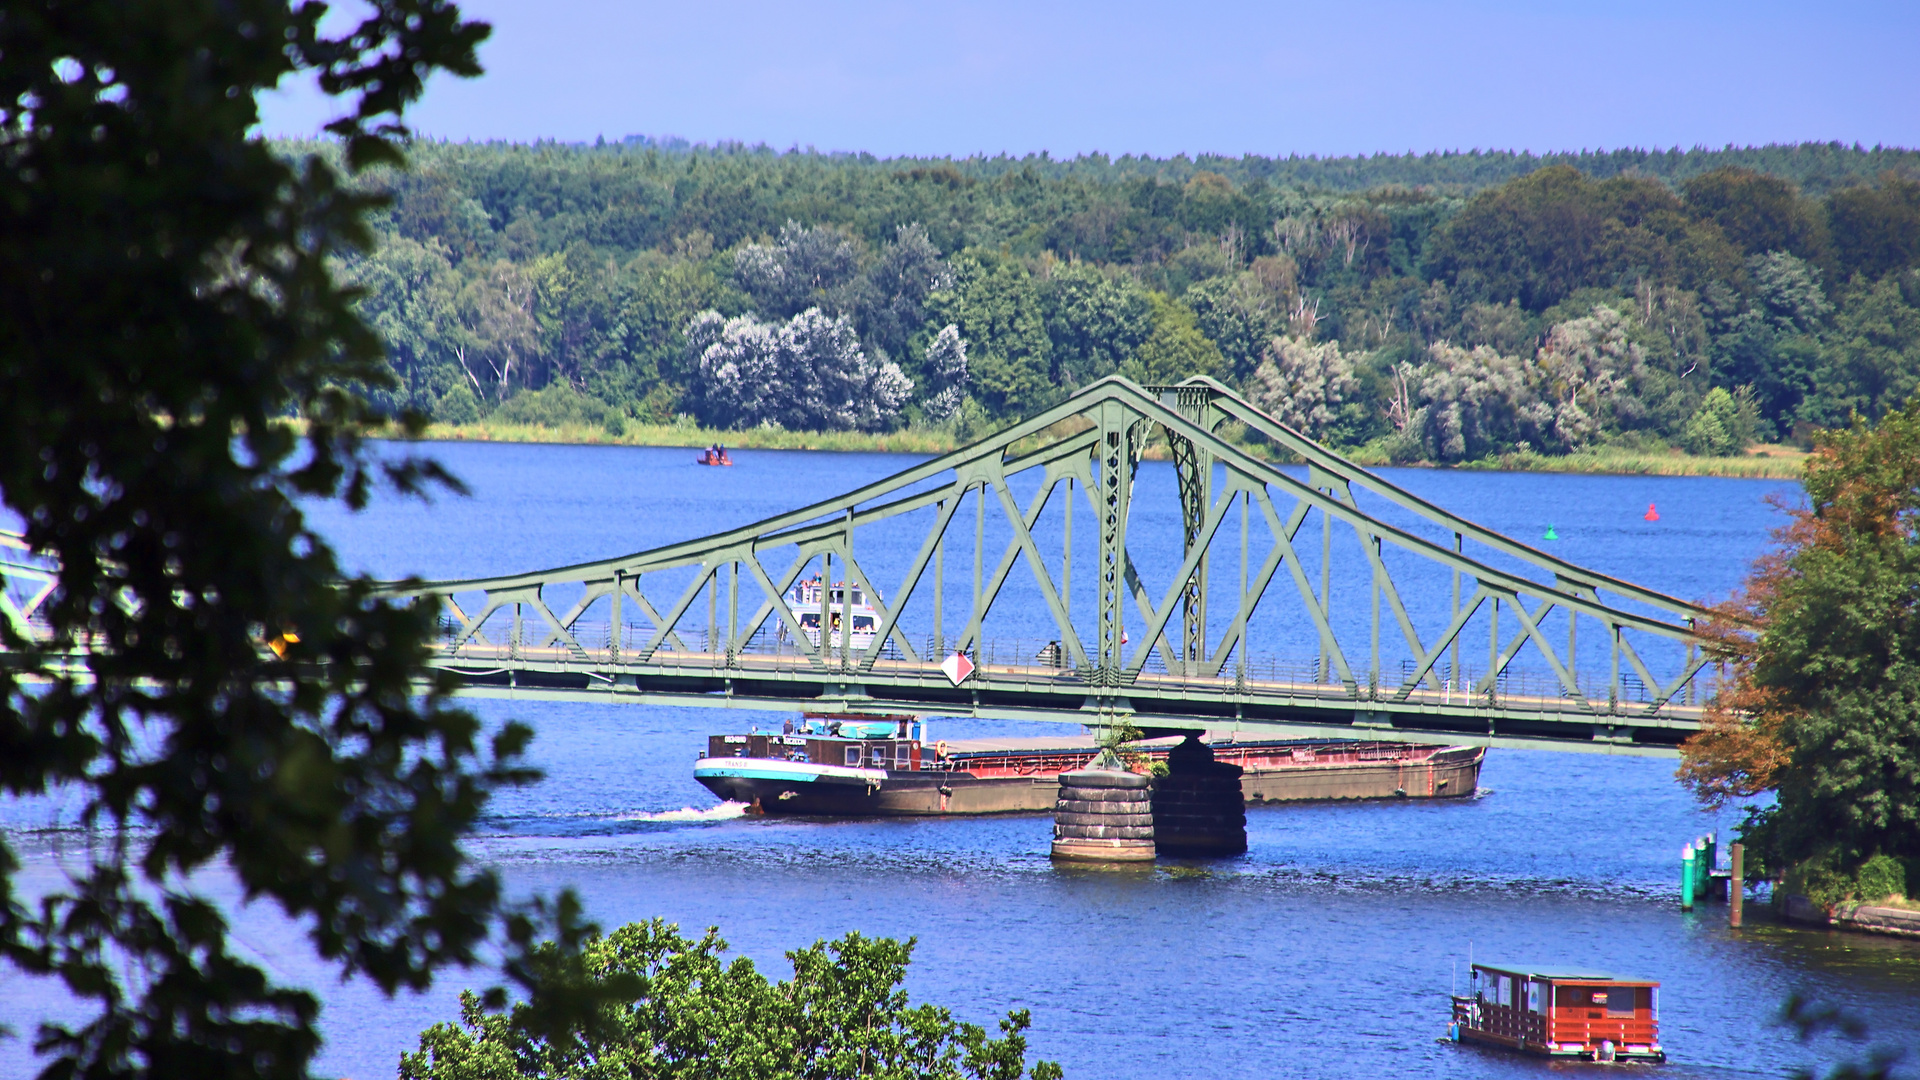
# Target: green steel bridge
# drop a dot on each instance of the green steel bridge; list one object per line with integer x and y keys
{"x": 1315, "y": 601}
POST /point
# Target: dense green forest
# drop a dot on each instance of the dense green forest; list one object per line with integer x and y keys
{"x": 1436, "y": 307}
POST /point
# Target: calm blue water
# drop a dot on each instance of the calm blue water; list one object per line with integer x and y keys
{"x": 1327, "y": 950}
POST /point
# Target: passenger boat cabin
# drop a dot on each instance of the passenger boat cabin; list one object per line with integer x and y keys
{"x": 1562, "y": 1014}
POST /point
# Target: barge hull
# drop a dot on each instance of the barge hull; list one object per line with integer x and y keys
{"x": 1453, "y": 772}
{"x": 902, "y": 794}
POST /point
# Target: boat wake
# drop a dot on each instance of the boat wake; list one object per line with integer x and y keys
{"x": 726, "y": 811}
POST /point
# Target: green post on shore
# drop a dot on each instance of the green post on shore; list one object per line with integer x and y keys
{"x": 1736, "y": 884}
{"x": 1687, "y": 864}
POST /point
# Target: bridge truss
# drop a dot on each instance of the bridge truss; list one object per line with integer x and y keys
{"x": 1219, "y": 611}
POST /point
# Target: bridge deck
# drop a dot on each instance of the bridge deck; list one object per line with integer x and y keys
{"x": 795, "y": 681}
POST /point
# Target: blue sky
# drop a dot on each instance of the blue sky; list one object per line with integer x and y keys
{"x": 1331, "y": 77}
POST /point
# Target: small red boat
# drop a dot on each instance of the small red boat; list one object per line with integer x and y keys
{"x": 1582, "y": 1015}
{"x": 714, "y": 455}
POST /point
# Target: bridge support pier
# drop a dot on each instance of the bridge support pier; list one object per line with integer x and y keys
{"x": 1198, "y": 807}
{"x": 1104, "y": 814}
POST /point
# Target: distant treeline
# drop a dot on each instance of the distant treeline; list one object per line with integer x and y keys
{"x": 1815, "y": 167}
{"x": 1444, "y": 306}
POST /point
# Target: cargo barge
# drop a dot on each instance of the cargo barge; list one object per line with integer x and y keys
{"x": 855, "y": 769}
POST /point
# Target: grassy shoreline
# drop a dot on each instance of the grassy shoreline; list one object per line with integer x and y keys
{"x": 1767, "y": 462}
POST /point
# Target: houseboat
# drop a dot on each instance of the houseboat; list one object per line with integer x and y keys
{"x": 1559, "y": 1013}
{"x": 851, "y": 767}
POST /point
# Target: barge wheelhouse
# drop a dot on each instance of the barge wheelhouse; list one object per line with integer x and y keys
{"x": 1572, "y": 1014}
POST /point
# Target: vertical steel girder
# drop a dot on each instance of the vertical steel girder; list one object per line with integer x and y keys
{"x": 1115, "y": 455}
{"x": 1193, "y": 469}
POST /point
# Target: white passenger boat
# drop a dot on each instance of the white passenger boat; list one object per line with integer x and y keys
{"x": 841, "y": 605}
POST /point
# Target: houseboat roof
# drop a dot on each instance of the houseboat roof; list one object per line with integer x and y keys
{"x": 1558, "y": 974}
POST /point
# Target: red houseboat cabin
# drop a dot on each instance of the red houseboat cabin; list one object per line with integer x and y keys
{"x": 1562, "y": 1014}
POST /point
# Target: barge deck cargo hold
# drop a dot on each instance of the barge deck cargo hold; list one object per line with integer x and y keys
{"x": 878, "y": 770}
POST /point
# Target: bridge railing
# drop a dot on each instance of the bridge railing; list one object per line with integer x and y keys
{"x": 1032, "y": 661}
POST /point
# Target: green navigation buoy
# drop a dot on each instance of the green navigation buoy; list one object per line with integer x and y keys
{"x": 1551, "y": 535}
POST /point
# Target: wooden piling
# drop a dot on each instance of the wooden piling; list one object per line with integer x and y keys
{"x": 1736, "y": 886}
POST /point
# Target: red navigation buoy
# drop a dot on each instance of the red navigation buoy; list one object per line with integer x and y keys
{"x": 1652, "y": 514}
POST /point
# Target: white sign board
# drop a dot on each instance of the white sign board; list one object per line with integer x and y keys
{"x": 956, "y": 668}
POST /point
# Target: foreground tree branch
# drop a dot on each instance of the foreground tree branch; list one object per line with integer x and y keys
{"x": 168, "y": 306}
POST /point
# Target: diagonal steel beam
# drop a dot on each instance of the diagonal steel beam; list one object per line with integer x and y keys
{"x": 672, "y": 621}
{"x": 1189, "y": 565}
{"x": 1315, "y": 605}
{"x": 1042, "y": 576}
{"x": 1239, "y": 408}
{"x": 1697, "y": 662}
{"x": 594, "y": 591}
{"x": 1461, "y": 617}
{"x": 630, "y": 587}
{"x": 555, "y": 630}
{"x": 1508, "y": 652}
{"x": 991, "y": 590}
{"x": 915, "y": 573}
{"x": 1633, "y": 657}
{"x": 775, "y": 601}
{"x": 859, "y": 577}
{"x": 1383, "y": 580}
{"x": 1250, "y": 599}
{"x": 1530, "y": 626}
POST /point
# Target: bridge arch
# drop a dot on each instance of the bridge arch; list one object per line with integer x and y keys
{"x": 1081, "y": 588}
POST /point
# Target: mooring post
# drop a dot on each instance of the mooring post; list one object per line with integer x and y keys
{"x": 1736, "y": 884}
{"x": 1704, "y": 863}
{"x": 1687, "y": 864}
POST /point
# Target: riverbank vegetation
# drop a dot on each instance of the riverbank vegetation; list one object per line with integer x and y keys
{"x": 1819, "y": 703}
{"x": 675, "y": 1009}
{"x": 1442, "y": 308}
{"x": 1764, "y": 462}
